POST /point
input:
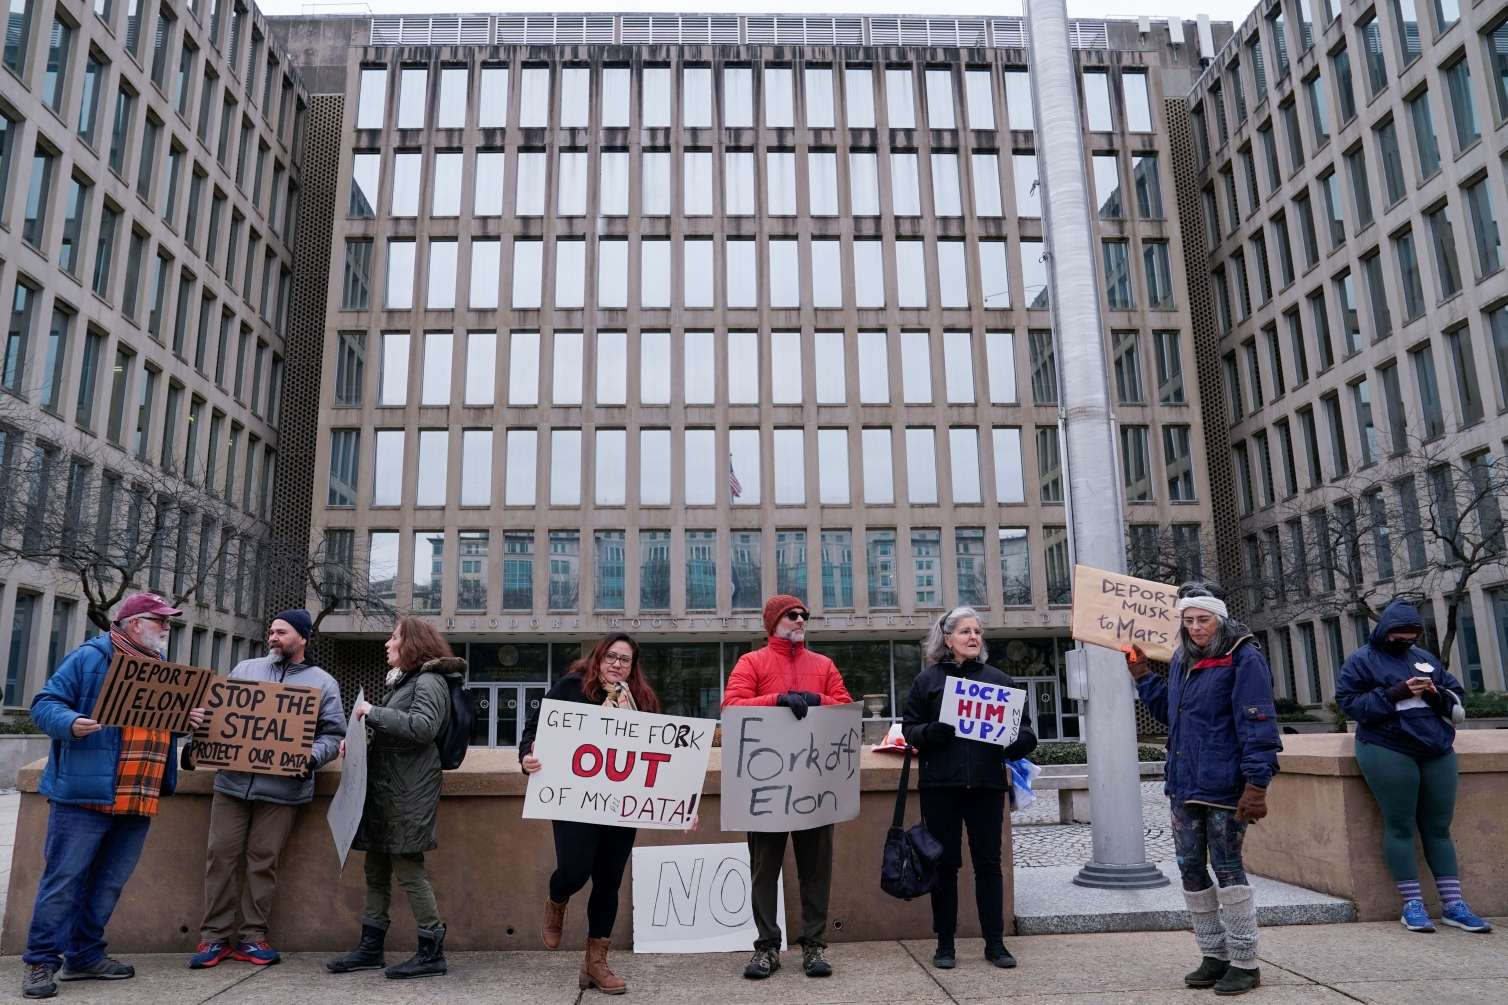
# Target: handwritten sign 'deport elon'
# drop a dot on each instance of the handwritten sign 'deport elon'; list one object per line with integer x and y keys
{"x": 1113, "y": 610}
{"x": 257, "y": 726}
{"x": 151, "y": 694}
{"x": 605, "y": 765}
{"x": 989, "y": 713}
{"x": 781, "y": 773}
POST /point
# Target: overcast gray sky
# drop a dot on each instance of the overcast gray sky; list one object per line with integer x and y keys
{"x": 1219, "y": 10}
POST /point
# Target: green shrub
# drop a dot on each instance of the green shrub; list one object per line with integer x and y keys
{"x": 1074, "y": 752}
{"x": 17, "y": 725}
{"x": 1486, "y": 704}
{"x": 1299, "y": 716}
{"x": 1287, "y": 706}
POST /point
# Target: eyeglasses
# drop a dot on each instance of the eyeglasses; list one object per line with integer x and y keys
{"x": 617, "y": 660}
{"x": 797, "y": 616}
{"x": 156, "y": 619}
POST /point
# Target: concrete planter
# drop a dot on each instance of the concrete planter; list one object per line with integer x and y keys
{"x": 1491, "y": 722}
{"x": 17, "y": 749}
{"x": 1308, "y": 727}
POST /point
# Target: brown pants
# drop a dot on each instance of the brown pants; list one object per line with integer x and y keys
{"x": 245, "y": 839}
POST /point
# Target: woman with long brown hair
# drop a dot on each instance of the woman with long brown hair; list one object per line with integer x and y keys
{"x": 403, "y": 796}
{"x": 611, "y": 676}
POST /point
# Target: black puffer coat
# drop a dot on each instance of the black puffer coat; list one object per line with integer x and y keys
{"x": 948, "y": 760}
{"x": 403, "y": 763}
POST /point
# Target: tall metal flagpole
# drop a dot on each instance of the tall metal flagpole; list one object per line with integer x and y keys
{"x": 1096, "y": 516}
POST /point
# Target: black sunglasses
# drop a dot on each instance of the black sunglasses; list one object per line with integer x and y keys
{"x": 797, "y": 616}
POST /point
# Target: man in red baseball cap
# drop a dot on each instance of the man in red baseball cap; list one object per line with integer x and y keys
{"x": 788, "y": 674}
{"x": 103, "y": 795}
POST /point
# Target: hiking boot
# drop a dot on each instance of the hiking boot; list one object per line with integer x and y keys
{"x": 258, "y": 953}
{"x": 1415, "y": 917}
{"x": 429, "y": 961}
{"x": 366, "y": 956}
{"x": 554, "y": 923}
{"x": 762, "y": 964}
{"x": 946, "y": 957}
{"x": 102, "y": 969}
{"x": 209, "y": 954}
{"x": 595, "y": 972}
{"x": 814, "y": 963}
{"x": 996, "y": 953}
{"x": 1238, "y": 981}
{"x": 1209, "y": 973}
{"x": 37, "y": 981}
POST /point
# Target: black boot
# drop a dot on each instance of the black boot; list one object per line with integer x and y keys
{"x": 946, "y": 957}
{"x": 366, "y": 956}
{"x": 996, "y": 953}
{"x": 1210, "y": 970}
{"x": 429, "y": 961}
{"x": 1238, "y": 981}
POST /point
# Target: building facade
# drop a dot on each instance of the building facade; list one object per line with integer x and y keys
{"x": 1351, "y": 180}
{"x": 634, "y": 321}
{"x": 149, "y": 188}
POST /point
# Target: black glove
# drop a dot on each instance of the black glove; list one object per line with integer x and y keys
{"x": 1440, "y": 700}
{"x": 940, "y": 732}
{"x": 795, "y": 701}
{"x": 812, "y": 698}
{"x": 1400, "y": 692}
{"x": 186, "y": 756}
{"x": 310, "y": 767}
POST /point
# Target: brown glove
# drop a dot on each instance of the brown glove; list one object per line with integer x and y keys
{"x": 1252, "y": 806}
{"x": 1136, "y": 662}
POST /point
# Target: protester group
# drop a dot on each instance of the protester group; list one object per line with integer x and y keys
{"x": 105, "y": 782}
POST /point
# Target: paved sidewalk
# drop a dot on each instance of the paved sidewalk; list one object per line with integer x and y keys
{"x": 1301, "y": 965}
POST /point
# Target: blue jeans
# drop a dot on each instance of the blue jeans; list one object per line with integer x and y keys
{"x": 89, "y": 856}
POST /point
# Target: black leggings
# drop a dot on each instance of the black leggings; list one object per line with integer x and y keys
{"x": 592, "y": 852}
{"x": 948, "y": 812}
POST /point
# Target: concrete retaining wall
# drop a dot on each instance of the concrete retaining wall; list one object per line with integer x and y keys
{"x": 490, "y": 870}
{"x": 17, "y": 750}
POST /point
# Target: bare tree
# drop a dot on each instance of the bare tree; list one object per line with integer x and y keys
{"x": 327, "y": 574}
{"x": 1425, "y": 522}
{"x": 1168, "y": 553}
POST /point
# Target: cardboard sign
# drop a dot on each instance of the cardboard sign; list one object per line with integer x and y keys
{"x": 696, "y": 898}
{"x": 257, "y": 726}
{"x": 985, "y": 712}
{"x": 604, "y": 765}
{"x": 149, "y": 693}
{"x": 1112, "y": 610}
{"x": 781, "y": 773}
{"x": 351, "y": 797}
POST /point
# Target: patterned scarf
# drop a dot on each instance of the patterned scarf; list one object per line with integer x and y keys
{"x": 619, "y": 696}
{"x": 144, "y": 756}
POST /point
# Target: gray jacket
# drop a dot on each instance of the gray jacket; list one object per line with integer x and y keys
{"x": 327, "y": 734}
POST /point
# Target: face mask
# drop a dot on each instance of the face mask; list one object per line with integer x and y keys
{"x": 1397, "y": 647}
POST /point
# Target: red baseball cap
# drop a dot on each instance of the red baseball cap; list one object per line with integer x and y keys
{"x": 144, "y": 603}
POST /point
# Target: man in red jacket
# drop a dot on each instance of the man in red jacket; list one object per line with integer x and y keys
{"x": 787, "y": 673}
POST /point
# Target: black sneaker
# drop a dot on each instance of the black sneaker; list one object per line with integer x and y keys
{"x": 997, "y": 954}
{"x": 103, "y": 969}
{"x": 813, "y": 963}
{"x": 946, "y": 957}
{"x": 38, "y": 982}
{"x": 762, "y": 964}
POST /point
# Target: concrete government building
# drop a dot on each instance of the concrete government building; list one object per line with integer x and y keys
{"x": 599, "y": 322}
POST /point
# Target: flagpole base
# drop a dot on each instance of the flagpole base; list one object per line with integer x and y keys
{"x": 1103, "y": 876}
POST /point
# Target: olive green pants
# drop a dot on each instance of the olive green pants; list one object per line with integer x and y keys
{"x": 381, "y": 868}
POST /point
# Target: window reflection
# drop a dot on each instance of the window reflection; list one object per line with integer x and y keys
{"x": 393, "y": 379}
{"x": 387, "y": 468}
{"x": 743, "y": 478}
{"x": 837, "y": 570}
{"x": 406, "y": 168}
{"x": 476, "y": 467}
{"x": 702, "y": 470}
{"x": 832, "y": 466}
{"x": 611, "y": 467}
{"x": 921, "y": 466}
{"x": 428, "y": 569}
{"x": 654, "y": 467}
{"x": 790, "y": 562}
{"x": 433, "y": 471}
{"x": 565, "y": 467}
{"x": 471, "y": 570}
{"x": 654, "y": 575}
{"x": 963, "y": 451}
{"x": 701, "y": 570}
{"x": 879, "y": 477}
{"x": 518, "y": 489}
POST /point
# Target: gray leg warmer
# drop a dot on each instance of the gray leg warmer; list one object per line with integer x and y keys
{"x": 1204, "y": 909}
{"x": 1238, "y": 909}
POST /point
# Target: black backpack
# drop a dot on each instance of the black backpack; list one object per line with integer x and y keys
{"x": 455, "y": 738}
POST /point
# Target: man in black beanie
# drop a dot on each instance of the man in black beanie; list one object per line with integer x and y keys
{"x": 252, "y": 815}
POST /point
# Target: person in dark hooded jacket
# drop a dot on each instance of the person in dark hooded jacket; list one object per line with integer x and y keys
{"x": 1404, "y": 703}
{"x": 1223, "y": 748}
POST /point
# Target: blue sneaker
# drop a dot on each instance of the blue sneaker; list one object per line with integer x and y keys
{"x": 1458, "y": 915}
{"x": 258, "y": 953}
{"x": 1415, "y": 917}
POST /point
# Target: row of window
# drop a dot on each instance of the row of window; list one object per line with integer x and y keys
{"x": 445, "y": 97}
{"x": 637, "y": 468}
{"x": 778, "y": 278}
{"x": 436, "y": 360}
{"x": 977, "y": 194}
{"x": 685, "y": 570}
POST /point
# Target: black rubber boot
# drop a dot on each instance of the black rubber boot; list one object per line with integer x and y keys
{"x": 366, "y": 956}
{"x": 429, "y": 961}
{"x": 1210, "y": 971}
{"x": 1238, "y": 981}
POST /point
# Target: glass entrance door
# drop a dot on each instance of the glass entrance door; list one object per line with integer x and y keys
{"x": 501, "y": 711}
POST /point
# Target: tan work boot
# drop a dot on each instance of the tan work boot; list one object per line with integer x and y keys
{"x": 549, "y": 932}
{"x": 594, "y": 970}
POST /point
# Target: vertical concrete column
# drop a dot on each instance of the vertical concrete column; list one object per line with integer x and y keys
{"x": 1096, "y": 515}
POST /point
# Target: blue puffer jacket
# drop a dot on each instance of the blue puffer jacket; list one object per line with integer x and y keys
{"x": 82, "y": 770}
{"x": 1222, "y": 727}
{"x": 1417, "y": 727}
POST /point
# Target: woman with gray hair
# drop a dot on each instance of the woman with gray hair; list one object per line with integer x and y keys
{"x": 1222, "y": 751}
{"x": 963, "y": 783}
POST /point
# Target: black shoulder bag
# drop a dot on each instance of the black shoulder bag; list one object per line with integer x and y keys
{"x": 910, "y": 864}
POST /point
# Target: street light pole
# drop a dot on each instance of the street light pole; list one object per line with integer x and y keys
{"x": 1096, "y": 516}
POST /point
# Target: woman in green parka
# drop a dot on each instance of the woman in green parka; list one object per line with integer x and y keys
{"x": 403, "y": 796}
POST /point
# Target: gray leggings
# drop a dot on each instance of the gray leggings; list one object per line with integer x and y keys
{"x": 380, "y": 868}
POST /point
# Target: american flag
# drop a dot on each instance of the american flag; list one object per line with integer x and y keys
{"x": 735, "y": 487}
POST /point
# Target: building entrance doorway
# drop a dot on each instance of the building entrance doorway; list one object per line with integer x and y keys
{"x": 501, "y": 711}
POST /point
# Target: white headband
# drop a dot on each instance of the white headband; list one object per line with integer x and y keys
{"x": 1214, "y": 605}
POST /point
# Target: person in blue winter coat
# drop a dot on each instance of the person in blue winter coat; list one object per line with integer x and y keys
{"x": 1223, "y": 748}
{"x": 1405, "y": 705}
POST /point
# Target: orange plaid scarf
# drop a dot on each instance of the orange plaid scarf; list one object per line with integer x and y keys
{"x": 143, "y": 760}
